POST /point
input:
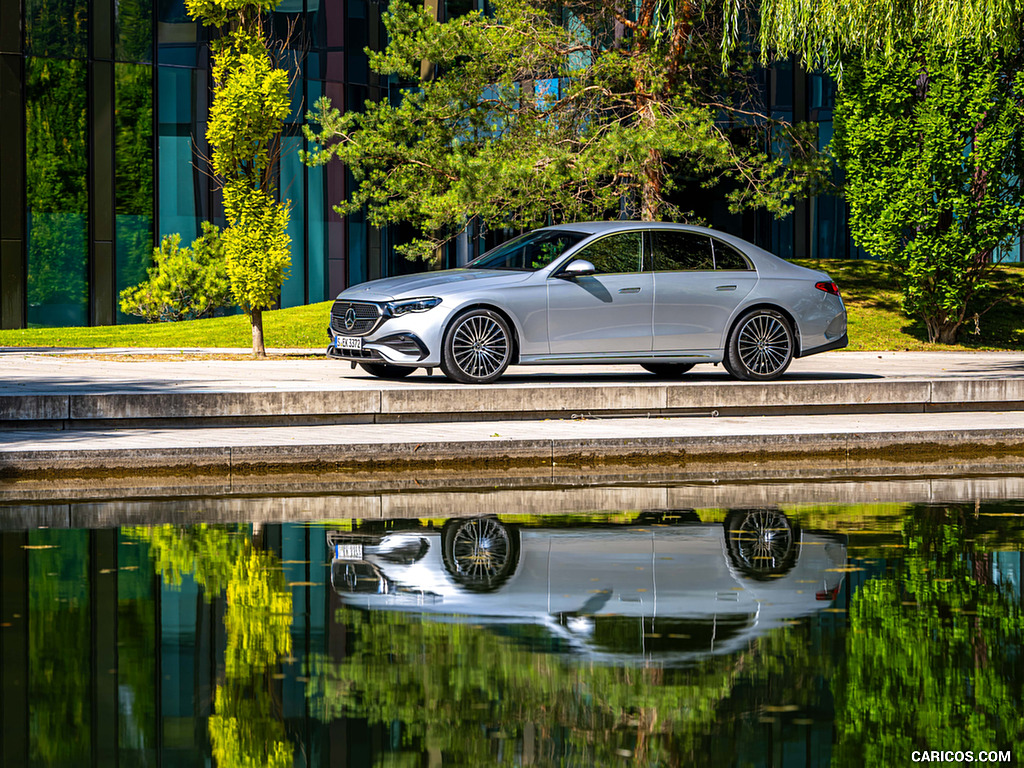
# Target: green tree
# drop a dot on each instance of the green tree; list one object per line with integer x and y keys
{"x": 825, "y": 33}
{"x": 932, "y": 144}
{"x": 534, "y": 113}
{"x": 250, "y": 103}
{"x": 184, "y": 284}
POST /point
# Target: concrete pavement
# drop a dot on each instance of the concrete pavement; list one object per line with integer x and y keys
{"x": 78, "y": 415}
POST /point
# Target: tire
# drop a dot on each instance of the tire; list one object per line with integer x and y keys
{"x": 667, "y": 370}
{"x": 761, "y": 543}
{"x": 760, "y": 347}
{"x": 386, "y": 370}
{"x": 477, "y": 347}
{"x": 481, "y": 553}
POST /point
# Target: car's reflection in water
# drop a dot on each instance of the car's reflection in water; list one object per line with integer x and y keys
{"x": 663, "y": 586}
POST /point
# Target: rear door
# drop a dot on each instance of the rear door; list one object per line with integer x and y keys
{"x": 693, "y": 300}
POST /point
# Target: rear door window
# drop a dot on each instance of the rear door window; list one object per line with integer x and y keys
{"x": 677, "y": 251}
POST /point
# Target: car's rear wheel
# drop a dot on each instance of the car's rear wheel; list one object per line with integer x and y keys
{"x": 386, "y": 370}
{"x": 477, "y": 347}
{"x": 667, "y": 370}
{"x": 760, "y": 347}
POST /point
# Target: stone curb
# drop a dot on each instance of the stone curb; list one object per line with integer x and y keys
{"x": 838, "y": 447}
{"x": 461, "y": 403}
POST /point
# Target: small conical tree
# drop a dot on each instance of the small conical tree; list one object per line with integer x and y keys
{"x": 250, "y": 103}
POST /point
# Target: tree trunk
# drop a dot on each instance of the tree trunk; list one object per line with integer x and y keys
{"x": 652, "y": 180}
{"x": 942, "y": 331}
{"x": 256, "y": 317}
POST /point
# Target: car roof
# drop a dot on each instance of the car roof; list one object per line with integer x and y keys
{"x": 766, "y": 261}
{"x": 601, "y": 227}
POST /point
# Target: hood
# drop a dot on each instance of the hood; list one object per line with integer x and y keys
{"x": 446, "y": 281}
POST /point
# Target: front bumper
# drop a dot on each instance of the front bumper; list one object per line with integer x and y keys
{"x": 412, "y": 339}
{"x": 396, "y": 349}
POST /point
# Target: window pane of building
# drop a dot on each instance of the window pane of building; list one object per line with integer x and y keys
{"x": 293, "y": 292}
{"x": 133, "y": 167}
{"x": 134, "y": 30}
{"x": 56, "y": 191}
{"x": 58, "y": 28}
{"x": 177, "y": 171}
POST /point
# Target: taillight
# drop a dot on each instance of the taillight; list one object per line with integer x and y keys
{"x": 827, "y": 594}
{"x": 828, "y": 287}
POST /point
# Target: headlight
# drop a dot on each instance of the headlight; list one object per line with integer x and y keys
{"x": 395, "y": 308}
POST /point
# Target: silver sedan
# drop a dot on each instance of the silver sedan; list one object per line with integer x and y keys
{"x": 663, "y": 296}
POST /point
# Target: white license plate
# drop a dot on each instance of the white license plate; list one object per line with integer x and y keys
{"x": 348, "y": 551}
{"x": 348, "y": 342}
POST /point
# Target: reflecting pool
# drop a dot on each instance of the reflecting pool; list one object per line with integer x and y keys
{"x": 786, "y": 635}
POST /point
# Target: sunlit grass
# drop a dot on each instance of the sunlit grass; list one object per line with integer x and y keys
{"x": 876, "y": 322}
{"x": 296, "y": 327}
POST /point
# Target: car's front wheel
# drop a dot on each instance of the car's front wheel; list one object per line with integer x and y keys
{"x": 477, "y": 347}
{"x": 386, "y": 370}
{"x": 760, "y": 347}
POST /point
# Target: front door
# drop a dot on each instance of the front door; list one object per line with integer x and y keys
{"x": 609, "y": 311}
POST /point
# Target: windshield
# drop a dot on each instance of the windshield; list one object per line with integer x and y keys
{"x": 530, "y": 252}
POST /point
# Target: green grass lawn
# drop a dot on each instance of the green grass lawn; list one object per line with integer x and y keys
{"x": 871, "y": 298}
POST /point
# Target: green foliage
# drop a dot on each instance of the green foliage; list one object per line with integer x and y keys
{"x": 527, "y": 116}
{"x": 183, "y": 284}
{"x": 246, "y": 729}
{"x": 822, "y": 31}
{"x": 248, "y": 110}
{"x": 59, "y": 685}
{"x": 259, "y": 615}
{"x": 256, "y": 246}
{"x": 218, "y": 13}
{"x": 932, "y": 144}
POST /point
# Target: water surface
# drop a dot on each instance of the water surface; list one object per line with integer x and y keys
{"x": 787, "y": 635}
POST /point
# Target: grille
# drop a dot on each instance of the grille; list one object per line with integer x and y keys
{"x": 368, "y": 317}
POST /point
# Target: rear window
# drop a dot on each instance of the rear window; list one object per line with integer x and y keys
{"x": 727, "y": 257}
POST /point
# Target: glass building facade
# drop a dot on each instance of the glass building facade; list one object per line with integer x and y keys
{"x": 103, "y": 151}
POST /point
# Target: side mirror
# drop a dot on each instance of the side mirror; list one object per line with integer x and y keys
{"x": 577, "y": 268}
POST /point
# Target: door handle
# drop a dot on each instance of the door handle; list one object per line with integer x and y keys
{"x": 725, "y": 288}
{"x": 629, "y": 290}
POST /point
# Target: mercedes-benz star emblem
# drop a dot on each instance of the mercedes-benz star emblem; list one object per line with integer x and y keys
{"x": 350, "y": 319}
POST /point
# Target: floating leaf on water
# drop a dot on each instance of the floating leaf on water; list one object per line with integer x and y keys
{"x": 802, "y": 721}
{"x": 40, "y": 546}
{"x": 302, "y": 584}
{"x": 782, "y": 708}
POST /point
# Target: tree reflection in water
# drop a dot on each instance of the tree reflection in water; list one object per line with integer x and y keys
{"x": 927, "y": 655}
{"x": 247, "y": 728}
{"x": 933, "y": 651}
